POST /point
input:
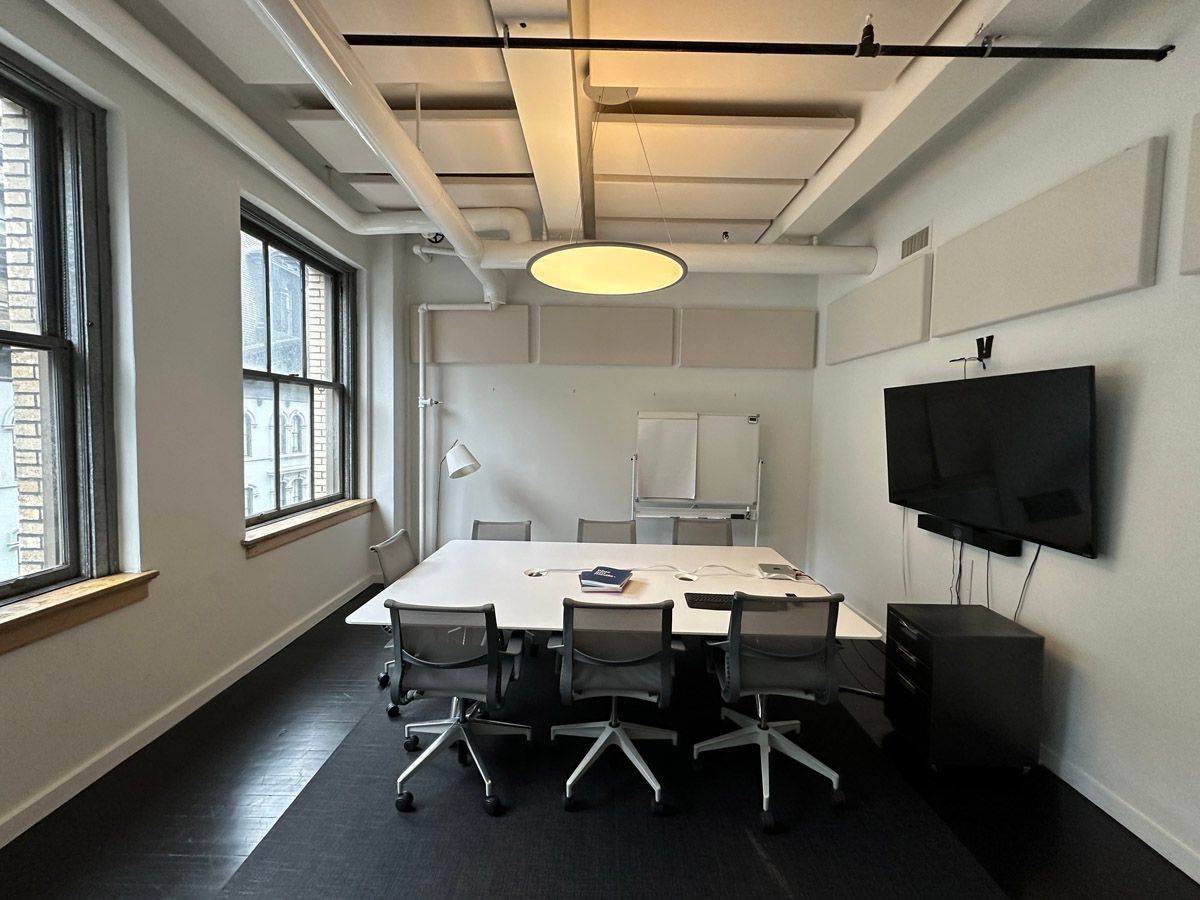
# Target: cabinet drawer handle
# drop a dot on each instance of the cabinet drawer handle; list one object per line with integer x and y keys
{"x": 907, "y": 654}
{"x": 909, "y": 686}
{"x": 908, "y": 629}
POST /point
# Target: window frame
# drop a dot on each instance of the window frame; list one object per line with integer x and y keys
{"x": 343, "y": 280}
{"x": 68, "y": 153}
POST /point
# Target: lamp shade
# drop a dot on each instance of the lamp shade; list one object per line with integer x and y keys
{"x": 460, "y": 462}
{"x": 607, "y": 267}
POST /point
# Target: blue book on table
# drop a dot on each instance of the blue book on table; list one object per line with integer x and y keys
{"x": 604, "y": 578}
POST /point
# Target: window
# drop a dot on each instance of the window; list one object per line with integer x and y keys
{"x": 297, "y": 306}
{"x": 55, "y": 502}
{"x": 247, "y": 435}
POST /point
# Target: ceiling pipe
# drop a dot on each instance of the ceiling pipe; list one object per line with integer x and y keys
{"x": 112, "y": 26}
{"x": 305, "y": 28}
{"x": 125, "y": 36}
{"x": 749, "y": 259}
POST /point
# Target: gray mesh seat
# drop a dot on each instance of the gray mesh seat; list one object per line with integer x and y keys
{"x": 396, "y": 557}
{"x": 501, "y": 531}
{"x": 776, "y": 645}
{"x": 595, "y": 531}
{"x": 616, "y": 650}
{"x": 460, "y": 654}
{"x": 702, "y": 532}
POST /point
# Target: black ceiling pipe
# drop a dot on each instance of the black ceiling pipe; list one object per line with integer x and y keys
{"x": 987, "y": 50}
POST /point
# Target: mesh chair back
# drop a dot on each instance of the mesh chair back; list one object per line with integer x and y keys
{"x": 617, "y": 649}
{"x": 501, "y": 531}
{"x": 781, "y": 645}
{"x": 446, "y": 652}
{"x": 706, "y": 532}
{"x": 594, "y": 531}
{"x": 396, "y": 556}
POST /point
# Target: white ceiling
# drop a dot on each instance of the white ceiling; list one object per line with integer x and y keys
{"x": 730, "y": 139}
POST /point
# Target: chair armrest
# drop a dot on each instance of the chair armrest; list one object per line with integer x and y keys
{"x": 722, "y": 644}
{"x": 516, "y": 644}
{"x": 555, "y": 641}
{"x": 677, "y": 645}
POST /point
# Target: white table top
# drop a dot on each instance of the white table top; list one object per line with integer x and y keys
{"x": 471, "y": 573}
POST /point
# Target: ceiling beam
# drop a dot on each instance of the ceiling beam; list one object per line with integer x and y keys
{"x": 929, "y": 93}
{"x": 543, "y": 86}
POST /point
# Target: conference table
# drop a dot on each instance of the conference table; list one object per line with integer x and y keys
{"x": 526, "y": 581}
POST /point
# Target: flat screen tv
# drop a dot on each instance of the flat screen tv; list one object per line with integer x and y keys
{"x": 1012, "y": 454}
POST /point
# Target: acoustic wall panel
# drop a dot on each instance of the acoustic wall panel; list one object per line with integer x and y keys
{"x": 891, "y": 311}
{"x": 1189, "y": 261}
{"x": 1092, "y": 236}
{"x": 749, "y": 338}
{"x": 475, "y": 336}
{"x": 607, "y": 335}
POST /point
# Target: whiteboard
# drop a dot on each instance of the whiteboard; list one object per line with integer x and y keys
{"x": 727, "y": 469}
{"x": 666, "y": 448}
{"x": 706, "y": 459}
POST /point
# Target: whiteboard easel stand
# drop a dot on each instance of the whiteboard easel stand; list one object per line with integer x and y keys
{"x": 751, "y": 512}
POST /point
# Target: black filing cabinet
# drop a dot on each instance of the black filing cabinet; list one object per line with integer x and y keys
{"x": 964, "y": 684}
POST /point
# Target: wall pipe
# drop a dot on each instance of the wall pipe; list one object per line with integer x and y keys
{"x": 769, "y": 259}
{"x": 126, "y": 37}
{"x": 305, "y": 28}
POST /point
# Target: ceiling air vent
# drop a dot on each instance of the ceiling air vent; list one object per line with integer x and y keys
{"x": 914, "y": 242}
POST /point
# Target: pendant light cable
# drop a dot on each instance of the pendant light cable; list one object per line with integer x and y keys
{"x": 654, "y": 184}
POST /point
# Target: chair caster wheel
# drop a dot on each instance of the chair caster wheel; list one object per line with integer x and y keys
{"x": 768, "y": 823}
{"x": 384, "y": 679}
{"x": 404, "y": 801}
{"x": 570, "y": 804}
{"x": 838, "y": 799}
{"x": 658, "y": 808}
{"x": 411, "y": 743}
{"x": 492, "y": 806}
{"x": 393, "y": 710}
{"x": 463, "y": 754}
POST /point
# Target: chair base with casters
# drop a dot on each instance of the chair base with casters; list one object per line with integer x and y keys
{"x": 620, "y": 734}
{"x": 465, "y": 722}
{"x": 769, "y": 736}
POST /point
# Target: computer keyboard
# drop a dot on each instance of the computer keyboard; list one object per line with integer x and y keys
{"x": 709, "y": 601}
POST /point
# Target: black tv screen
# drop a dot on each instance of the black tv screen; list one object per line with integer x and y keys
{"x": 1014, "y": 454}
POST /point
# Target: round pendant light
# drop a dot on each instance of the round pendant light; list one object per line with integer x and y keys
{"x": 607, "y": 267}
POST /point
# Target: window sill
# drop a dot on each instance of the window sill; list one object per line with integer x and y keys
{"x": 47, "y": 614}
{"x": 261, "y": 538}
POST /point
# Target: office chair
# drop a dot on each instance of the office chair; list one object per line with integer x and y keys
{"x": 594, "y": 531}
{"x": 396, "y": 557}
{"x": 616, "y": 650}
{"x": 707, "y": 532}
{"x": 501, "y": 531}
{"x": 455, "y": 653}
{"x": 776, "y": 645}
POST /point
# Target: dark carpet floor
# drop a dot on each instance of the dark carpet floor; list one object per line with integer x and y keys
{"x": 342, "y": 837}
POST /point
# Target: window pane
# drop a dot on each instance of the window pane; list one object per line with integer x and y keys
{"x": 327, "y": 442}
{"x": 20, "y": 307}
{"x": 318, "y": 301}
{"x": 254, "y": 305}
{"x": 258, "y": 437}
{"x": 32, "y": 538}
{"x": 295, "y": 447}
{"x": 287, "y": 315}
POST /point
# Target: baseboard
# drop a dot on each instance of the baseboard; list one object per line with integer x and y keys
{"x": 64, "y": 789}
{"x": 1175, "y": 851}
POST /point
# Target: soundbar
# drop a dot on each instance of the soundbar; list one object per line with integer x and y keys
{"x": 1000, "y": 544}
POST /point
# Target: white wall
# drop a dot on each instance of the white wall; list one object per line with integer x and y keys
{"x": 73, "y": 705}
{"x": 1122, "y": 709}
{"x": 555, "y": 441}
